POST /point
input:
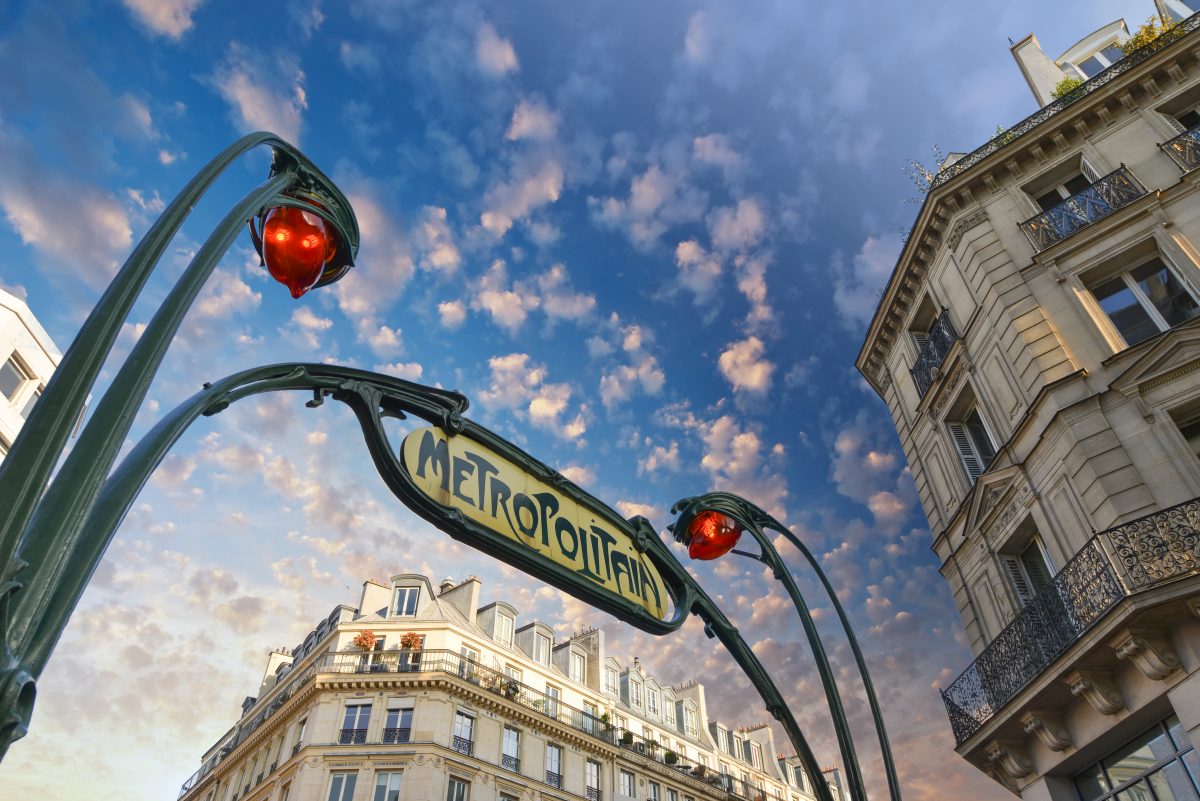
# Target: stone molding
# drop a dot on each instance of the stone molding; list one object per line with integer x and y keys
{"x": 1096, "y": 687}
{"x": 1148, "y": 649}
{"x": 1010, "y": 758}
{"x": 1048, "y": 727}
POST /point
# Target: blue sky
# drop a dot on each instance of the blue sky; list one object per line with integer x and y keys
{"x": 643, "y": 238}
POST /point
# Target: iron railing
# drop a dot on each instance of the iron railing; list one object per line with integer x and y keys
{"x": 352, "y": 737}
{"x": 510, "y": 763}
{"x": 1049, "y": 110}
{"x": 1113, "y": 565}
{"x": 462, "y": 745}
{"x": 592, "y": 794}
{"x": 1184, "y": 149}
{"x": 929, "y": 359}
{"x": 554, "y": 779}
{"x": 397, "y": 735}
{"x": 1117, "y": 189}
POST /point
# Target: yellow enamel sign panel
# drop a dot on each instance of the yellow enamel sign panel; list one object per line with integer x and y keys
{"x": 463, "y": 474}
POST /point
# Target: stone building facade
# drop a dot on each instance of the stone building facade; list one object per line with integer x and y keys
{"x": 422, "y": 693}
{"x": 27, "y": 359}
{"x": 1038, "y": 347}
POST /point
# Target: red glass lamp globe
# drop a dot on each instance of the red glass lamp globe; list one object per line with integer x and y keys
{"x": 711, "y": 535}
{"x": 296, "y": 246}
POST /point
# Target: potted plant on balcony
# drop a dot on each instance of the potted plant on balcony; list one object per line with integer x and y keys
{"x": 670, "y": 757}
{"x": 364, "y": 641}
{"x": 626, "y": 738}
{"x": 410, "y": 645}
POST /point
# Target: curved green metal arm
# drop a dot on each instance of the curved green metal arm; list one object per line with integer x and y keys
{"x": 757, "y": 521}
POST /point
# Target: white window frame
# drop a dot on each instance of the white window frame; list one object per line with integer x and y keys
{"x": 577, "y": 664}
{"x": 542, "y": 646}
{"x": 1126, "y": 275}
{"x": 505, "y": 625}
{"x": 651, "y": 701}
{"x": 610, "y": 680}
{"x": 515, "y": 740}
{"x": 344, "y": 788}
{"x": 388, "y": 778}
{"x": 1099, "y": 56}
{"x": 626, "y": 782}
{"x": 591, "y": 776}
{"x": 635, "y": 693}
{"x": 465, "y": 789}
{"x": 398, "y": 610}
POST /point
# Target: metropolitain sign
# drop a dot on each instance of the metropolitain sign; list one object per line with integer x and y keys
{"x": 460, "y": 473}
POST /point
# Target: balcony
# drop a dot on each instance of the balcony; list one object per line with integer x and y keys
{"x": 393, "y": 736}
{"x": 352, "y": 737}
{"x": 933, "y": 352}
{"x": 1117, "y": 189}
{"x": 1114, "y": 565}
{"x": 510, "y": 763}
{"x": 592, "y": 794}
{"x": 554, "y": 779}
{"x": 1184, "y": 149}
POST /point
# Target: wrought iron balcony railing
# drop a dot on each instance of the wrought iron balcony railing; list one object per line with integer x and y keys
{"x": 1097, "y": 81}
{"x": 1184, "y": 149}
{"x": 592, "y": 794}
{"x": 1114, "y": 564}
{"x": 352, "y": 736}
{"x": 933, "y": 352}
{"x": 462, "y": 745}
{"x": 554, "y": 779}
{"x": 510, "y": 763}
{"x": 1118, "y": 188}
{"x": 399, "y": 735}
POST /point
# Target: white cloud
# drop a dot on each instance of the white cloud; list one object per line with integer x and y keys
{"x": 752, "y": 281}
{"x": 309, "y": 326}
{"x": 657, "y": 200}
{"x": 737, "y": 229}
{"x": 697, "y": 42}
{"x": 264, "y": 94}
{"x": 646, "y": 510}
{"x": 435, "y": 242}
{"x": 534, "y": 181}
{"x": 507, "y": 307}
{"x": 746, "y": 367}
{"x": 857, "y": 285}
{"x": 715, "y": 150}
{"x": 519, "y": 384}
{"x": 493, "y": 54}
{"x": 698, "y": 269}
{"x": 558, "y": 301}
{"x": 660, "y": 458}
{"x": 225, "y": 295}
{"x": 531, "y": 119}
{"x": 170, "y": 18}
{"x": 452, "y": 313}
{"x": 579, "y": 474}
{"x": 620, "y": 381}
{"x": 410, "y": 371}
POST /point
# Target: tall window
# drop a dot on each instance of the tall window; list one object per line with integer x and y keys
{"x": 1160, "y": 764}
{"x": 1028, "y": 570}
{"x": 354, "y": 723}
{"x": 504, "y": 629}
{"x": 972, "y": 442}
{"x": 578, "y": 667}
{"x": 756, "y": 755}
{"x": 553, "y": 765}
{"x": 468, "y": 666}
{"x": 300, "y": 735}
{"x": 652, "y": 701}
{"x": 635, "y": 693}
{"x": 341, "y": 785}
{"x": 672, "y": 795}
{"x": 398, "y": 726}
{"x": 511, "y": 749}
{"x": 591, "y": 717}
{"x": 653, "y": 791}
{"x": 669, "y": 711}
{"x": 591, "y": 778}
{"x": 541, "y": 648}
{"x": 406, "y": 601}
{"x": 458, "y": 790}
{"x": 553, "y": 695}
{"x": 610, "y": 679}
{"x": 625, "y": 783}
{"x": 464, "y": 731}
{"x": 387, "y": 786}
{"x": 1145, "y": 300}
{"x": 12, "y": 376}
{"x": 689, "y": 721}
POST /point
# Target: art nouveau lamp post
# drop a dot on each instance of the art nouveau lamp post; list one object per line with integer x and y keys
{"x": 309, "y": 238}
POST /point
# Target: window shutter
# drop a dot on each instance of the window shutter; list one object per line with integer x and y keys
{"x": 962, "y": 442}
{"x": 1035, "y": 566}
{"x": 920, "y": 339}
{"x": 980, "y": 438}
{"x": 1017, "y": 576}
{"x": 1175, "y": 124}
{"x": 1088, "y": 171}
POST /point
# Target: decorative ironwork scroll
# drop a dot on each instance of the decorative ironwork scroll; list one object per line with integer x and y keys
{"x": 941, "y": 338}
{"x": 1118, "y": 188}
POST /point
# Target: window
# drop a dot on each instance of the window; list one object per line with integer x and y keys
{"x": 458, "y": 790}
{"x": 672, "y": 795}
{"x": 541, "y": 648}
{"x": 578, "y": 667}
{"x": 553, "y": 695}
{"x": 620, "y": 722}
{"x": 689, "y": 721}
{"x": 1145, "y": 300}
{"x": 1160, "y": 764}
{"x": 12, "y": 377}
{"x": 591, "y": 717}
{"x": 464, "y": 729}
{"x": 513, "y": 673}
{"x": 1190, "y": 428}
{"x": 467, "y": 667}
{"x": 591, "y": 778}
{"x": 354, "y": 723}
{"x": 610, "y": 679}
{"x": 652, "y": 701}
{"x": 1097, "y": 62}
{"x": 387, "y": 786}
{"x": 669, "y": 712}
{"x": 504, "y": 629}
{"x": 341, "y": 785}
{"x": 300, "y": 735}
{"x": 553, "y": 765}
{"x": 800, "y": 778}
{"x": 635, "y": 693}
{"x": 398, "y": 726}
{"x": 406, "y": 601}
{"x": 510, "y": 756}
{"x": 756, "y": 755}
{"x": 1029, "y": 570}
{"x": 625, "y": 783}
{"x": 972, "y": 442}
{"x": 733, "y": 749}
{"x": 653, "y": 791}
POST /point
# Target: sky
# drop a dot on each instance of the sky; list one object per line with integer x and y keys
{"x": 645, "y": 239}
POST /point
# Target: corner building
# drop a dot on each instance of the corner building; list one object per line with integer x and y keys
{"x": 1038, "y": 347}
{"x": 424, "y": 694}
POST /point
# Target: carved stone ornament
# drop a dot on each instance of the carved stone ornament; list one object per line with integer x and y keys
{"x": 1010, "y": 758}
{"x": 1149, "y": 650}
{"x": 1048, "y": 727}
{"x": 964, "y": 225}
{"x": 1097, "y": 688}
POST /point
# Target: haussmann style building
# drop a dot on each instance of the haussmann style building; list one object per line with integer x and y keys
{"x": 422, "y": 693}
{"x": 1038, "y": 347}
{"x": 27, "y": 359}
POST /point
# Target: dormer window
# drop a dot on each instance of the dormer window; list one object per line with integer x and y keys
{"x": 1099, "y": 61}
{"x": 635, "y": 693}
{"x": 578, "y": 667}
{"x": 504, "y": 629}
{"x": 406, "y": 601}
{"x": 541, "y": 648}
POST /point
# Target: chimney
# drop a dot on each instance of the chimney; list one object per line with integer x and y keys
{"x": 446, "y": 585}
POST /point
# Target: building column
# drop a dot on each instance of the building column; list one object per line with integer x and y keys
{"x": 1050, "y": 788}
